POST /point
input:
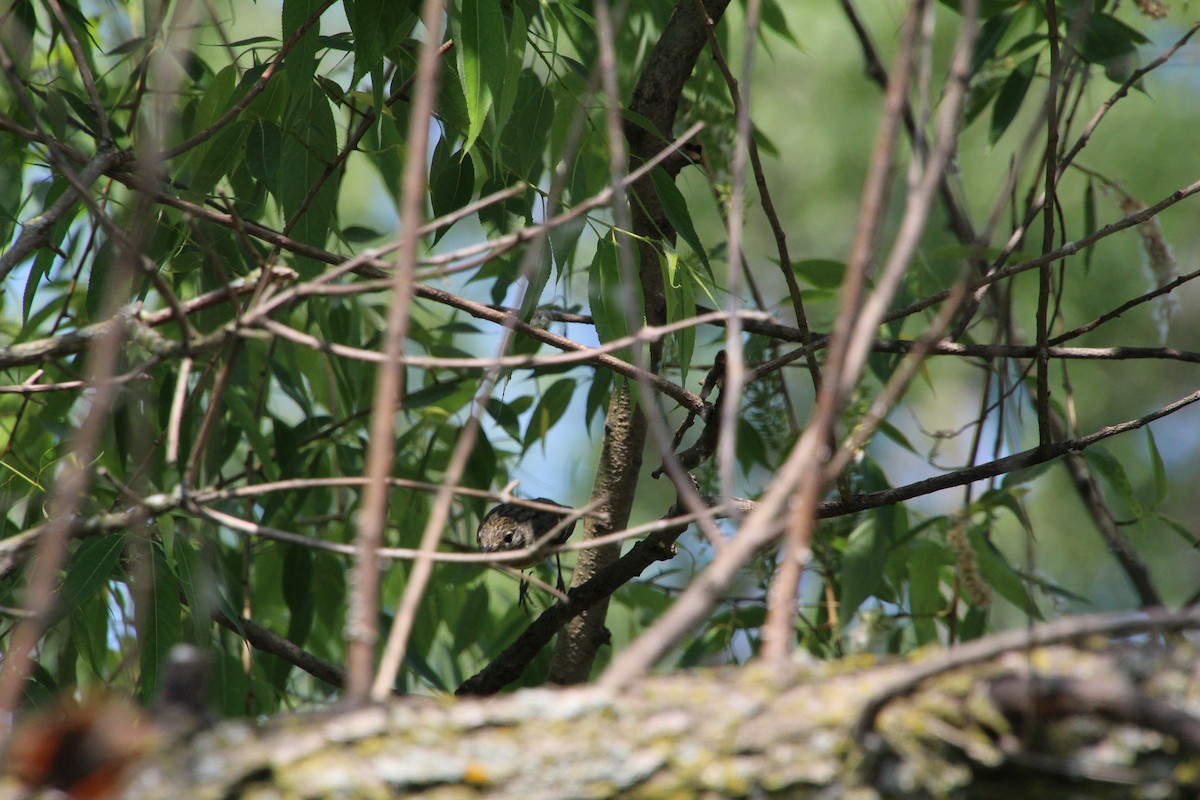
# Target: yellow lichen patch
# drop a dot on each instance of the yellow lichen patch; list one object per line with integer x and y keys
{"x": 982, "y": 709}
{"x": 475, "y": 774}
{"x": 1188, "y": 772}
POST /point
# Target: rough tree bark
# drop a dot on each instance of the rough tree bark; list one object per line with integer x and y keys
{"x": 993, "y": 718}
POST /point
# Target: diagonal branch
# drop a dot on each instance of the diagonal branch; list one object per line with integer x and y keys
{"x": 362, "y": 613}
{"x": 508, "y": 666}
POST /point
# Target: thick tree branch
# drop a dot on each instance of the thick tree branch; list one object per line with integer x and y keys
{"x": 951, "y": 726}
{"x": 276, "y": 645}
{"x": 508, "y": 666}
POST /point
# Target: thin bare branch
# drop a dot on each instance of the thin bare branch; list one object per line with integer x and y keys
{"x": 362, "y": 614}
{"x": 847, "y": 345}
{"x": 1060, "y": 252}
{"x": 999, "y": 466}
{"x": 35, "y": 233}
{"x": 1042, "y": 362}
{"x": 1134, "y": 78}
{"x": 418, "y": 580}
{"x": 251, "y": 93}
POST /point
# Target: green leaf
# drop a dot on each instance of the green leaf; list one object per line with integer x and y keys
{"x": 12, "y": 163}
{"x": 675, "y": 207}
{"x": 607, "y": 296}
{"x": 1007, "y": 499}
{"x": 504, "y": 416}
{"x": 481, "y": 466}
{"x": 499, "y": 218}
{"x": 451, "y": 181}
{"x": 973, "y": 625}
{"x": 309, "y": 147}
{"x": 197, "y": 582}
{"x": 482, "y": 53}
{"x": 40, "y": 690}
{"x": 228, "y": 148}
{"x": 82, "y": 25}
{"x": 549, "y": 410}
{"x": 338, "y": 41}
{"x": 378, "y": 81}
{"x": 128, "y": 46}
{"x": 1028, "y": 42}
{"x": 681, "y": 305}
{"x": 360, "y": 234}
{"x": 19, "y": 32}
{"x": 1012, "y": 94}
{"x": 90, "y": 625}
{"x": 230, "y": 685}
{"x": 1180, "y": 530}
{"x": 1051, "y": 588}
{"x": 896, "y": 435}
{"x": 55, "y": 115}
{"x": 987, "y": 8}
{"x": 1023, "y": 476}
{"x": 287, "y": 444}
{"x": 42, "y": 263}
{"x": 981, "y": 94}
{"x": 1113, "y": 472}
{"x": 213, "y": 103}
{"x": 301, "y": 61}
{"x": 514, "y": 62}
{"x": 87, "y": 572}
{"x": 1105, "y": 38}
{"x": 388, "y": 148}
{"x": 328, "y": 588}
{"x": 472, "y": 620}
{"x": 451, "y": 104}
{"x": 750, "y": 448}
{"x": 248, "y": 424}
{"x": 84, "y": 113}
{"x": 775, "y": 20}
{"x": 821, "y": 273}
{"x": 538, "y": 279}
{"x": 263, "y": 142}
{"x": 862, "y": 564}
{"x": 924, "y": 561}
{"x": 159, "y": 623}
{"x": 272, "y": 102}
{"x": 99, "y": 278}
{"x": 1106, "y": 41}
{"x": 598, "y": 395}
{"x": 1158, "y": 469}
{"x": 297, "y": 593}
{"x": 426, "y": 671}
{"x": 525, "y": 134}
{"x": 642, "y": 122}
{"x": 564, "y": 239}
{"x": 989, "y": 39}
{"x": 436, "y": 393}
{"x": 242, "y": 43}
{"x": 999, "y": 574}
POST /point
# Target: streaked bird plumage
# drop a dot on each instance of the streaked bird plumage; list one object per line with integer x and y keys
{"x": 510, "y": 526}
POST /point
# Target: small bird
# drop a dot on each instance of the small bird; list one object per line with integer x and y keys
{"x": 510, "y": 526}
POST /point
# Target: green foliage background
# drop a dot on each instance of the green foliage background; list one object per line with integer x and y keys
{"x": 318, "y": 155}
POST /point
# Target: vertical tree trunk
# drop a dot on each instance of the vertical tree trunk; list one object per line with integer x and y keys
{"x": 656, "y": 98}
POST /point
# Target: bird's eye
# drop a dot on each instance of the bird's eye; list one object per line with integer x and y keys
{"x": 508, "y": 538}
